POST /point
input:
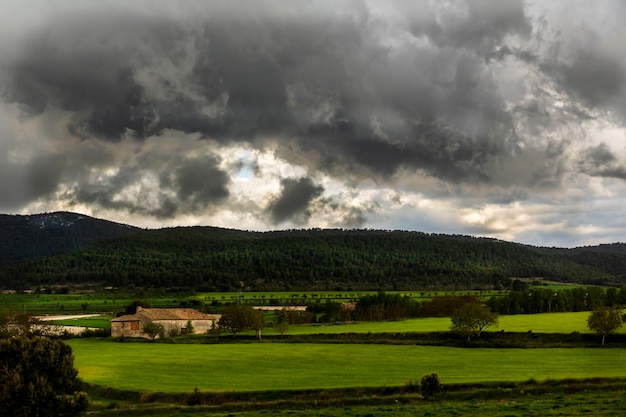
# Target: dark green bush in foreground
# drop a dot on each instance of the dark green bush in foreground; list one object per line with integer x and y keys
{"x": 38, "y": 378}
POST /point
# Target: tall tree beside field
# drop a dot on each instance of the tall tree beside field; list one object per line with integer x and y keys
{"x": 281, "y": 321}
{"x": 472, "y": 319}
{"x": 38, "y": 378}
{"x": 257, "y": 322}
{"x": 605, "y": 321}
{"x": 236, "y": 318}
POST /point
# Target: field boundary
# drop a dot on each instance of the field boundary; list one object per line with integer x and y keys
{"x": 294, "y": 399}
{"x": 501, "y": 339}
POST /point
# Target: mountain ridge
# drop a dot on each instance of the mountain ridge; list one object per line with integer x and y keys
{"x": 68, "y": 248}
{"x": 214, "y": 258}
{"x": 27, "y": 237}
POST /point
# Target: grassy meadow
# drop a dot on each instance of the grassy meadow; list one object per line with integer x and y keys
{"x": 250, "y": 367}
{"x": 113, "y": 301}
{"x": 275, "y": 366}
{"x": 536, "y": 323}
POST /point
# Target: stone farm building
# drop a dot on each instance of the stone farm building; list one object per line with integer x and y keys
{"x": 171, "y": 319}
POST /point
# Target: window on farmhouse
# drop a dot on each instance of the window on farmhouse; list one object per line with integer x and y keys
{"x": 134, "y": 325}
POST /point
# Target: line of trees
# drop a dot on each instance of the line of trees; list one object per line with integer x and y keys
{"x": 383, "y": 306}
{"x": 547, "y": 300}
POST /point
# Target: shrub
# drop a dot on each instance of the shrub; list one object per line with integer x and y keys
{"x": 38, "y": 378}
{"x": 173, "y": 331}
{"x": 189, "y": 329}
{"x": 431, "y": 384}
{"x": 152, "y": 330}
{"x": 411, "y": 386}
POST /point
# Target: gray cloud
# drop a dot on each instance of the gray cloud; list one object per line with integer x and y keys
{"x": 294, "y": 200}
{"x": 295, "y": 78}
{"x": 601, "y": 161}
{"x": 486, "y": 101}
{"x": 201, "y": 182}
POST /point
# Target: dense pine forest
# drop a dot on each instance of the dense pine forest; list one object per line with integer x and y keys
{"x": 215, "y": 259}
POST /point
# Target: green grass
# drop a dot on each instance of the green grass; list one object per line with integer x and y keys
{"x": 537, "y": 323}
{"x": 597, "y": 404}
{"x": 100, "y": 322}
{"x": 117, "y": 301}
{"x": 267, "y": 366}
{"x": 312, "y": 296}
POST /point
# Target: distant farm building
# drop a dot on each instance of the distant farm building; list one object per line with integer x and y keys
{"x": 350, "y": 306}
{"x": 172, "y": 319}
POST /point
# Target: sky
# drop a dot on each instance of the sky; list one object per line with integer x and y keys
{"x": 496, "y": 118}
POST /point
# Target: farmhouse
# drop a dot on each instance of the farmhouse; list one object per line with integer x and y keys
{"x": 172, "y": 319}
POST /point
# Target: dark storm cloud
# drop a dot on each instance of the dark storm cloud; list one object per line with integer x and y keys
{"x": 595, "y": 77}
{"x": 328, "y": 83}
{"x": 201, "y": 182}
{"x": 480, "y": 25}
{"x": 601, "y": 161}
{"x": 151, "y": 107}
{"x": 294, "y": 200}
{"x": 44, "y": 175}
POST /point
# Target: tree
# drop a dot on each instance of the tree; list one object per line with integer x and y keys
{"x": 38, "y": 378}
{"x": 22, "y": 325}
{"x": 132, "y": 307}
{"x": 235, "y": 318}
{"x": 257, "y": 322}
{"x": 215, "y": 330}
{"x": 281, "y": 321}
{"x": 605, "y": 321}
{"x": 152, "y": 330}
{"x": 472, "y": 319}
{"x": 189, "y": 329}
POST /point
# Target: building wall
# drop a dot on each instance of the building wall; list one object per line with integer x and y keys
{"x": 133, "y": 329}
{"x": 126, "y": 329}
{"x": 199, "y": 326}
{"x": 202, "y": 326}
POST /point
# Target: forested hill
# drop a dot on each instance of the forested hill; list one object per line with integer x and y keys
{"x": 40, "y": 235}
{"x": 211, "y": 259}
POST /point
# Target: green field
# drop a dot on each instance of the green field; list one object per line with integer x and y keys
{"x": 537, "y": 323}
{"x": 276, "y": 366}
{"x": 113, "y": 301}
{"x": 101, "y": 322}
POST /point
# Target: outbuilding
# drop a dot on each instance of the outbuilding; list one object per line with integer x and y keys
{"x": 172, "y": 319}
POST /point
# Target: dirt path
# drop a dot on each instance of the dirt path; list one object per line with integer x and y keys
{"x": 66, "y": 317}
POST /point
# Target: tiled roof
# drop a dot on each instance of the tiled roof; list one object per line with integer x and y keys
{"x": 153, "y": 314}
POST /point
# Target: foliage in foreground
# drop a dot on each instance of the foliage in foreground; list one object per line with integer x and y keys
{"x": 38, "y": 378}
